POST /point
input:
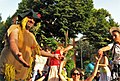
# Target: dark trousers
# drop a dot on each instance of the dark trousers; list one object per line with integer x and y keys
{"x": 119, "y": 70}
{"x": 2, "y": 78}
{"x": 115, "y": 72}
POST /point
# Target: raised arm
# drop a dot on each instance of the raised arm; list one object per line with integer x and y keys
{"x": 101, "y": 50}
{"x": 60, "y": 70}
{"x": 91, "y": 77}
{"x": 67, "y": 48}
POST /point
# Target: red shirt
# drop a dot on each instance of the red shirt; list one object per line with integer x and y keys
{"x": 54, "y": 61}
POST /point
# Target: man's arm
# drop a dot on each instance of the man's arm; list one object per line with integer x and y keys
{"x": 67, "y": 48}
{"x": 13, "y": 40}
{"x": 46, "y": 54}
{"x": 101, "y": 50}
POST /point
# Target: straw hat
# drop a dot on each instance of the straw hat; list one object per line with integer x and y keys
{"x": 114, "y": 29}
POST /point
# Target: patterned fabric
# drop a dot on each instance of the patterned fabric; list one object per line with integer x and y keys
{"x": 116, "y": 63}
{"x": 116, "y": 52}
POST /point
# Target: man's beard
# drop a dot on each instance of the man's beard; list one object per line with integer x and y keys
{"x": 28, "y": 27}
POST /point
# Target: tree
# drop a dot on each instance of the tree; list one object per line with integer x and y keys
{"x": 98, "y": 33}
{"x": 2, "y": 34}
{"x": 59, "y": 16}
{"x": 72, "y": 16}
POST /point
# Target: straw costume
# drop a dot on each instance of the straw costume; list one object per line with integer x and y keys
{"x": 10, "y": 65}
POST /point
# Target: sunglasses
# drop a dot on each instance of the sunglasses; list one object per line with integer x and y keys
{"x": 76, "y": 74}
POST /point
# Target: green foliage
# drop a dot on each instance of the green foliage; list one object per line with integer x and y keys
{"x": 2, "y": 33}
{"x": 23, "y": 5}
{"x": 8, "y": 22}
{"x": 69, "y": 54}
{"x": 69, "y": 66}
{"x": 74, "y": 16}
{"x": 58, "y": 16}
{"x": 98, "y": 33}
{"x": 51, "y": 42}
{"x": 3, "y": 27}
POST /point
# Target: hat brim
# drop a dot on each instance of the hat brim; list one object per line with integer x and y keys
{"x": 114, "y": 29}
{"x": 31, "y": 14}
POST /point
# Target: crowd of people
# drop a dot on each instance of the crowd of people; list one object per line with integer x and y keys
{"x": 18, "y": 55}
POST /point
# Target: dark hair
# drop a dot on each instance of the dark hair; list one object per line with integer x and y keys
{"x": 48, "y": 48}
{"x": 72, "y": 71}
{"x": 116, "y": 31}
{"x": 105, "y": 53}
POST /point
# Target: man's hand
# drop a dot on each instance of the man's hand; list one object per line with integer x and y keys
{"x": 100, "y": 52}
{"x": 22, "y": 60}
{"x": 61, "y": 57}
{"x": 56, "y": 56}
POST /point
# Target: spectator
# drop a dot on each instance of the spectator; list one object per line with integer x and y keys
{"x": 115, "y": 47}
{"x": 54, "y": 63}
{"x": 90, "y": 68}
{"x": 105, "y": 73}
{"x": 76, "y": 74}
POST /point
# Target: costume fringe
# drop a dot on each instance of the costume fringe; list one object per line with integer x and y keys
{"x": 9, "y": 72}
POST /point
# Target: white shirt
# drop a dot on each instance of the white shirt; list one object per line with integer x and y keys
{"x": 40, "y": 62}
{"x": 117, "y": 52}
